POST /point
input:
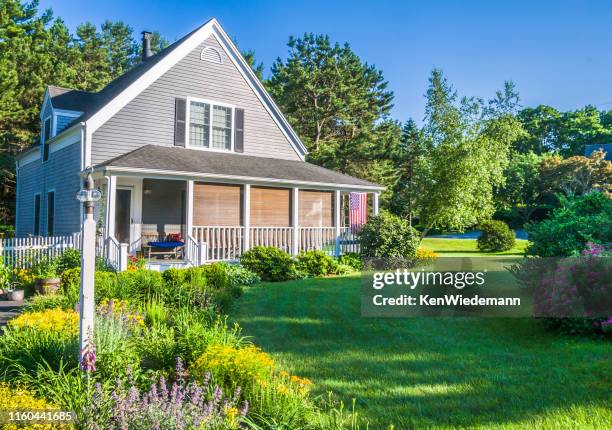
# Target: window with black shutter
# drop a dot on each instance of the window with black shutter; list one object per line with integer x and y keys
{"x": 180, "y": 108}
{"x": 46, "y": 137}
{"x": 37, "y": 215}
{"x": 239, "y": 131}
{"x": 50, "y": 213}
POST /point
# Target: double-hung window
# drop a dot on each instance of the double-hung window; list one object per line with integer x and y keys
{"x": 210, "y": 125}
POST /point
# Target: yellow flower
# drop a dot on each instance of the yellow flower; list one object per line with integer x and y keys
{"x": 281, "y": 388}
{"x": 50, "y": 320}
{"x": 19, "y": 399}
{"x": 283, "y": 374}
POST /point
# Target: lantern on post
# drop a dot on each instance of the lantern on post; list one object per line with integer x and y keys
{"x": 88, "y": 195}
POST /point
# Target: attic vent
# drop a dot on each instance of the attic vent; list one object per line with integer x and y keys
{"x": 211, "y": 54}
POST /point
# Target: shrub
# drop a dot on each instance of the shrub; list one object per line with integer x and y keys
{"x": 271, "y": 264}
{"x": 70, "y": 259}
{"x": 316, "y": 263}
{"x": 49, "y": 301}
{"x": 233, "y": 367}
{"x": 19, "y": 399}
{"x": 352, "y": 260}
{"x": 115, "y": 339}
{"x": 579, "y": 220}
{"x": 71, "y": 284}
{"x": 174, "y": 277}
{"x": 239, "y": 275}
{"x": 216, "y": 275}
{"x": 388, "y": 237}
{"x": 157, "y": 347}
{"x": 496, "y": 236}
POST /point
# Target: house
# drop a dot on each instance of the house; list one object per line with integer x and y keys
{"x": 188, "y": 142}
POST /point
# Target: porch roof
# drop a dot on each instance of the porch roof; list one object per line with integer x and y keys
{"x": 176, "y": 161}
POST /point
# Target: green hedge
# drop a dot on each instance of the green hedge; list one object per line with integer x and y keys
{"x": 496, "y": 236}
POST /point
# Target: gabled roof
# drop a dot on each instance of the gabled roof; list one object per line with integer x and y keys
{"x": 98, "y": 107}
{"x": 69, "y": 99}
{"x": 176, "y": 161}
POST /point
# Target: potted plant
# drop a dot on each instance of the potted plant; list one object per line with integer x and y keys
{"x": 5, "y": 279}
{"x": 15, "y": 294}
{"x": 47, "y": 277}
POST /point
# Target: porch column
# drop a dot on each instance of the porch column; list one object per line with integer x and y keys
{"x": 295, "y": 210}
{"x": 189, "y": 209}
{"x": 246, "y": 216}
{"x": 375, "y": 202}
{"x": 337, "y": 206}
{"x": 111, "y": 189}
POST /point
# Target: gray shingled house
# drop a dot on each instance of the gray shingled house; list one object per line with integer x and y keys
{"x": 186, "y": 143}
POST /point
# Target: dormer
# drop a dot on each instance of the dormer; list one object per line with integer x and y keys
{"x": 61, "y": 107}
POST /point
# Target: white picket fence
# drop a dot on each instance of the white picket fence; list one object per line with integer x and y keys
{"x": 27, "y": 251}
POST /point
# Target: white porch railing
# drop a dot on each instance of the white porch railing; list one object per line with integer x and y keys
{"x": 113, "y": 252}
{"x": 278, "y": 237}
{"x": 192, "y": 251}
{"x": 317, "y": 238}
{"x": 222, "y": 243}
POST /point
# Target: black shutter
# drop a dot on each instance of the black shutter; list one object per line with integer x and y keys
{"x": 239, "y": 131}
{"x": 180, "y": 113}
{"x": 50, "y": 213}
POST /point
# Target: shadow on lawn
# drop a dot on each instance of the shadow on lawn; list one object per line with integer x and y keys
{"x": 425, "y": 372}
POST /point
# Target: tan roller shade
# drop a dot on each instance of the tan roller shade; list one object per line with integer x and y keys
{"x": 216, "y": 204}
{"x": 270, "y": 207}
{"x": 315, "y": 209}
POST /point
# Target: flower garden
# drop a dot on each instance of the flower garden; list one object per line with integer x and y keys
{"x": 163, "y": 354}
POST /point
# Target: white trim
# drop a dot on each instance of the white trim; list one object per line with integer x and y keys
{"x": 189, "y": 210}
{"x": 212, "y": 27}
{"x": 129, "y": 188}
{"x": 255, "y": 84}
{"x": 44, "y": 102}
{"x": 212, "y": 104}
{"x": 246, "y": 215}
{"x": 29, "y": 157}
{"x": 111, "y": 184}
{"x": 180, "y": 175}
{"x": 70, "y": 113}
{"x": 142, "y": 83}
{"x": 295, "y": 218}
{"x": 54, "y": 191}
{"x": 375, "y": 203}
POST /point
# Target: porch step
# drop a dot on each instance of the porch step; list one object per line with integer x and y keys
{"x": 162, "y": 265}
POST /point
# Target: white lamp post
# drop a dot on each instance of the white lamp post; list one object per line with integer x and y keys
{"x": 88, "y": 196}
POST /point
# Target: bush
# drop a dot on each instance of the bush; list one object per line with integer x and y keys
{"x": 389, "y": 237}
{"x": 496, "y": 236}
{"x": 234, "y": 367}
{"x": 241, "y": 276}
{"x": 352, "y": 260}
{"x": 174, "y": 277}
{"x": 271, "y": 264}
{"x": 216, "y": 275}
{"x": 70, "y": 259}
{"x": 71, "y": 285}
{"x": 316, "y": 263}
{"x": 579, "y": 220}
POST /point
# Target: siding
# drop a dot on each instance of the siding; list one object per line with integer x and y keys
{"x": 60, "y": 172}
{"x": 149, "y": 118}
{"x": 62, "y": 122}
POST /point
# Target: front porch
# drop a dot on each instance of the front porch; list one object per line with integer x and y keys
{"x": 218, "y": 221}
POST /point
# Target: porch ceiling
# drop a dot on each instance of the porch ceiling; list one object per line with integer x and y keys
{"x": 194, "y": 163}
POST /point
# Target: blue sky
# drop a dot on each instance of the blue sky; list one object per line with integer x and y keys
{"x": 557, "y": 52}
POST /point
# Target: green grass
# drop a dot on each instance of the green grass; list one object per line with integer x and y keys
{"x": 467, "y": 247}
{"x": 437, "y": 373}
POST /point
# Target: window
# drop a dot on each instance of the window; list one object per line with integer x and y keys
{"x": 222, "y": 128}
{"x": 210, "y": 125}
{"x": 199, "y": 124}
{"x": 46, "y": 137}
{"x": 50, "y": 212}
{"x": 36, "y": 215}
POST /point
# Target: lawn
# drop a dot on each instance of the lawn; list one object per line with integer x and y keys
{"x": 438, "y": 373}
{"x": 467, "y": 247}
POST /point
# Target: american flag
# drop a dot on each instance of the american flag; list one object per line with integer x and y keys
{"x": 358, "y": 210}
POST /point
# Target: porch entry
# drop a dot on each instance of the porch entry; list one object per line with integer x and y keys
{"x": 123, "y": 214}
